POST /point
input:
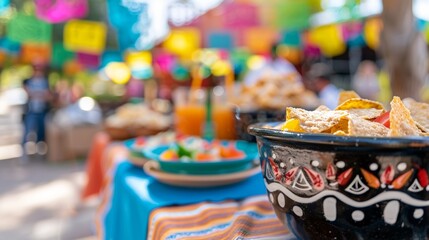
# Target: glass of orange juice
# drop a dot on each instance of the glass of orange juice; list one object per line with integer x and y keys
{"x": 222, "y": 115}
{"x": 190, "y": 111}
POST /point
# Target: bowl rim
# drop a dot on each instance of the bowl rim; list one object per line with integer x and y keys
{"x": 260, "y": 130}
{"x": 250, "y": 110}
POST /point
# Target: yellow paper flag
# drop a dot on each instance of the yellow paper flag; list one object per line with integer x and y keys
{"x": 138, "y": 58}
{"x": 371, "y": 32}
{"x": 85, "y": 36}
{"x": 118, "y": 72}
{"x": 183, "y": 42}
{"x": 329, "y": 39}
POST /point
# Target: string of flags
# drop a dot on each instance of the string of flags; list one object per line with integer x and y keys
{"x": 237, "y": 29}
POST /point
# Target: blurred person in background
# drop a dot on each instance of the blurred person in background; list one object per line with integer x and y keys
{"x": 277, "y": 65}
{"x": 36, "y": 107}
{"x": 365, "y": 81}
{"x": 318, "y": 79}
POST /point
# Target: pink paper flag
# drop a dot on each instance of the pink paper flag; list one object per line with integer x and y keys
{"x": 88, "y": 60}
{"x": 240, "y": 15}
{"x": 56, "y": 11}
{"x": 164, "y": 62}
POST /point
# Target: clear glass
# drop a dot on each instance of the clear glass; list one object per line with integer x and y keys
{"x": 190, "y": 111}
{"x": 222, "y": 115}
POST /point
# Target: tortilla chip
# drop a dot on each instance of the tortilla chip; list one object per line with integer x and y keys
{"x": 292, "y": 125}
{"x": 342, "y": 126}
{"x": 358, "y": 103}
{"x": 322, "y": 108}
{"x": 365, "y": 128}
{"x": 419, "y": 112}
{"x": 346, "y": 95}
{"x": 368, "y": 113}
{"x": 340, "y": 133}
{"x": 315, "y": 121}
{"x": 401, "y": 122}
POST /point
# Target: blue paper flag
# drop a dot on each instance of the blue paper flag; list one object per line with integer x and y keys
{"x": 127, "y": 38}
{"x": 124, "y": 13}
{"x": 4, "y": 4}
{"x": 291, "y": 38}
{"x": 10, "y": 46}
{"x": 131, "y": 20}
{"x": 221, "y": 40}
{"x": 111, "y": 56}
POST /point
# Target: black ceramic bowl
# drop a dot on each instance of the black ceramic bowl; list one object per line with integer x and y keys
{"x": 333, "y": 187}
{"x": 245, "y": 117}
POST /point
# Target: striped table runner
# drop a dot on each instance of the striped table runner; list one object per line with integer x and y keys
{"x": 252, "y": 218}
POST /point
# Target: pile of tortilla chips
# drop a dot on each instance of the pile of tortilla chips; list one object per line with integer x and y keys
{"x": 355, "y": 116}
{"x": 276, "y": 91}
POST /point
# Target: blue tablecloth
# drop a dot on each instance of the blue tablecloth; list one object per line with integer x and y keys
{"x": 136, "y": 194}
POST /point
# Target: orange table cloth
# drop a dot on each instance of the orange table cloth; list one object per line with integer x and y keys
{"x": 252, "y": 218}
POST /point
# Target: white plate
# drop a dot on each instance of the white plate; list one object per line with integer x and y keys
{"x": 137, "y": 161}
{"x": 151, "y": 168}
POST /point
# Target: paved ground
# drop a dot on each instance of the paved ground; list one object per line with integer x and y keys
{"x": 38, "y": 199}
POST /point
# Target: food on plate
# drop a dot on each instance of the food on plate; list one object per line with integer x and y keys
{"x": 200, "y": 150}
{"x": 138, "y": 115}
{"x": 152, "y": 141}
{"x": 274, "y": 91}
{"x": 133, "y": 120}
{"x": 355, "y": 116}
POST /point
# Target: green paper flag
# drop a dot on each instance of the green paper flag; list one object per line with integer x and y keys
{"x": 27, "y": 28}
{"x": 60, "y": 55}
{"x": 293, "y": 14}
